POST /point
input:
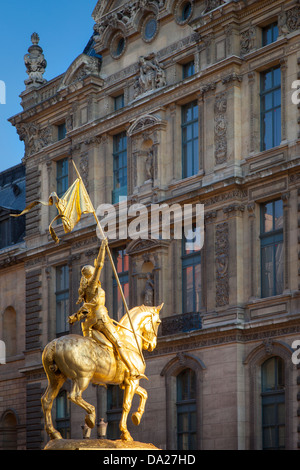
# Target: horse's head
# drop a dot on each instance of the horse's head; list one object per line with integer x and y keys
{"x": 150, "y": 328}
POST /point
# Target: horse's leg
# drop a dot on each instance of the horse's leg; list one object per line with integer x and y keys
{"x": 129, "y": 392}
{"x": 136, "y": 417}
{"x": 55, "y": 383}
{"x": 79, "y": 386}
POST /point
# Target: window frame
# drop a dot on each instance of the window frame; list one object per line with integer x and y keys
{"x": 185, "y": 125}
{"x": 272, "y": 26}
{"x": 62, "y": 178}
{"x": 186, "y": 407}
{"x": 63, "y": 424}
{"x": 270, "y": 239}
{"x": 274, "y": 397}
{"x": 188, "y": 69}
{"x": 119, "y": 153}
{"x": 273, "y": 109}
{"x": 124, "y": 280}
{"x": 192, "y": 260}
{"x": 62, "y": 296}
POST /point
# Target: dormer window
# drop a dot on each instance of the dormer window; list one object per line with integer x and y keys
{"x": 118, "y": 45}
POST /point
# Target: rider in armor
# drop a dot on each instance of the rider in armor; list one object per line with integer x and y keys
{"x": 94, "y": 311}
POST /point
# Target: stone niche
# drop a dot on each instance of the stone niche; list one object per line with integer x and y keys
{"x": 146, "y": 136}
{"x": 149, "y": 261}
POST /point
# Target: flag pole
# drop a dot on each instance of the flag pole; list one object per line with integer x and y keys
{"x": 112, "y": 263}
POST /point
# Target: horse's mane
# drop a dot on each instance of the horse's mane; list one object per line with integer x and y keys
{"x": 134, "y": 312}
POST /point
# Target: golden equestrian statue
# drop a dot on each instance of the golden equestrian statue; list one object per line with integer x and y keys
{"x": 105, "y": 354}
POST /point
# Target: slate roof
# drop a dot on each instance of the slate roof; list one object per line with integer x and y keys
{"x": 13, "y": 188}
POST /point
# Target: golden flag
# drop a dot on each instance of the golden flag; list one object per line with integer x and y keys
{"x": 71, "y": 206}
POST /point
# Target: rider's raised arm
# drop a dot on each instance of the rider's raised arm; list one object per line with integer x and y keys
{"x": 99, "y": 262}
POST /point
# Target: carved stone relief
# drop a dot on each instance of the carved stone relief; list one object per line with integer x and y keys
{"x": 221, "y": 128}
{"x": 212, "y": 4}
{"x": 289, "y": 21}
{"x": 248, "y": 40}
{"x": 84, "y": 169}
{"x": 151, "y": 75}
{"x": 222, "y": 259}
{"x": 34, "y": 137}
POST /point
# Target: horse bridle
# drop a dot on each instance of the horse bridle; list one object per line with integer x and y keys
{"x": 155, "y": 331}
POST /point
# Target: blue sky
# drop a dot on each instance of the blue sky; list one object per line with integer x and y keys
{"x": 64, "y": 27}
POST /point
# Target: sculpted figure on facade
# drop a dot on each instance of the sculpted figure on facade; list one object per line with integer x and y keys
{"x": 289, "y": 21}
{"x": 151, "y": 75}
{"x": 149, "y": 291}
{"x": 149, "y": 165}
{"x": 35, "y": 64}
{"x": 34, "y": 137}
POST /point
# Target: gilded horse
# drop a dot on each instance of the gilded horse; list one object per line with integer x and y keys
{"x": 84, "y": 360}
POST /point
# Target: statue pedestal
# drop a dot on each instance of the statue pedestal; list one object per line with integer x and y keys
{"x": 97, "y": 444}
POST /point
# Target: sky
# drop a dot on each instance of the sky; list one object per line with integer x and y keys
{"x": 64, "y": 27}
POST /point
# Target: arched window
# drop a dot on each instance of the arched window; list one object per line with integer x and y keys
{"x": 273, "y": 403}
{"x": 186, "y": 410}
{"x": 10, "y": 331}
{"x": 8, "y": 431}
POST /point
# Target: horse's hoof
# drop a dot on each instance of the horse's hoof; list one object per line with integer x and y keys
{"x": 125, "y": 436}
{"x": 55, "y": 435}
{"x": 136, "y": 418}
{"x": 90, "y": 420}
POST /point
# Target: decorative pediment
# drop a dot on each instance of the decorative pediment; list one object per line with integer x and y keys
{"x": 82, "y": 67}
{"x": 143, "y": 123}
{"x": 123, "y": 17}
{"x": 140, "y": 246}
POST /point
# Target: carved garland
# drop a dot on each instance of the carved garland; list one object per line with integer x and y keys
{"x": 221, "y": 128}
{"x": 222, "y": 259}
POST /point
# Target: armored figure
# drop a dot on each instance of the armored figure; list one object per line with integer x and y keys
{"x": 95, "y": 313}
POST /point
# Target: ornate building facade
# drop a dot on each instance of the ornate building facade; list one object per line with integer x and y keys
{"x": 175, "y": 102}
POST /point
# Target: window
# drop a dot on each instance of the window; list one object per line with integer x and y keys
{"x": 269, "y": 34}
{"x": 272, "y": 248}
{"x": 62, "y": 300}
{"x": 122, "y": 266}
{"x": 186, "y": 11}
{"x": 150, "y": 29}
{"x": 114, "y": 411}
{"x": 191, "y": 277}
{"x": 119, "y": 102}
{"x": 63, "y": 415}
{"x": 61, "y": 131}
{"x": 12, "y": 230}
{"x": 273, "y": 404}
{"x": 186, "y": 410}
{"x": 8, "y": 432}
{"x": 10, "y": 331}
{"x": 119, "y": 167}
{"x": 188, "y": 69}
{"x": 5, "y": 236}
{"x": 62, "y": 176}
{"x": 270, "y": 98}
{"x": 190, "y": 131}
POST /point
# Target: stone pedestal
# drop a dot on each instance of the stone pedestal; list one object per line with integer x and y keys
{"x": 97, "y": 444}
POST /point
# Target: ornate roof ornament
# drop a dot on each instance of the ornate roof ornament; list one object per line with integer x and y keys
{"x": 35, "y": 64}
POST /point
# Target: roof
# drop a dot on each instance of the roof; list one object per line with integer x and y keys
{"x": 13, "y": 188}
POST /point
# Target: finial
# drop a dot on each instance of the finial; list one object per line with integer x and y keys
{"x": 35, "y": 64}
{"x": 35, "y": 38}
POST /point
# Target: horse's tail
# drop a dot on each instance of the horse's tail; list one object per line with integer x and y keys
{"x": 48, "y": 359}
